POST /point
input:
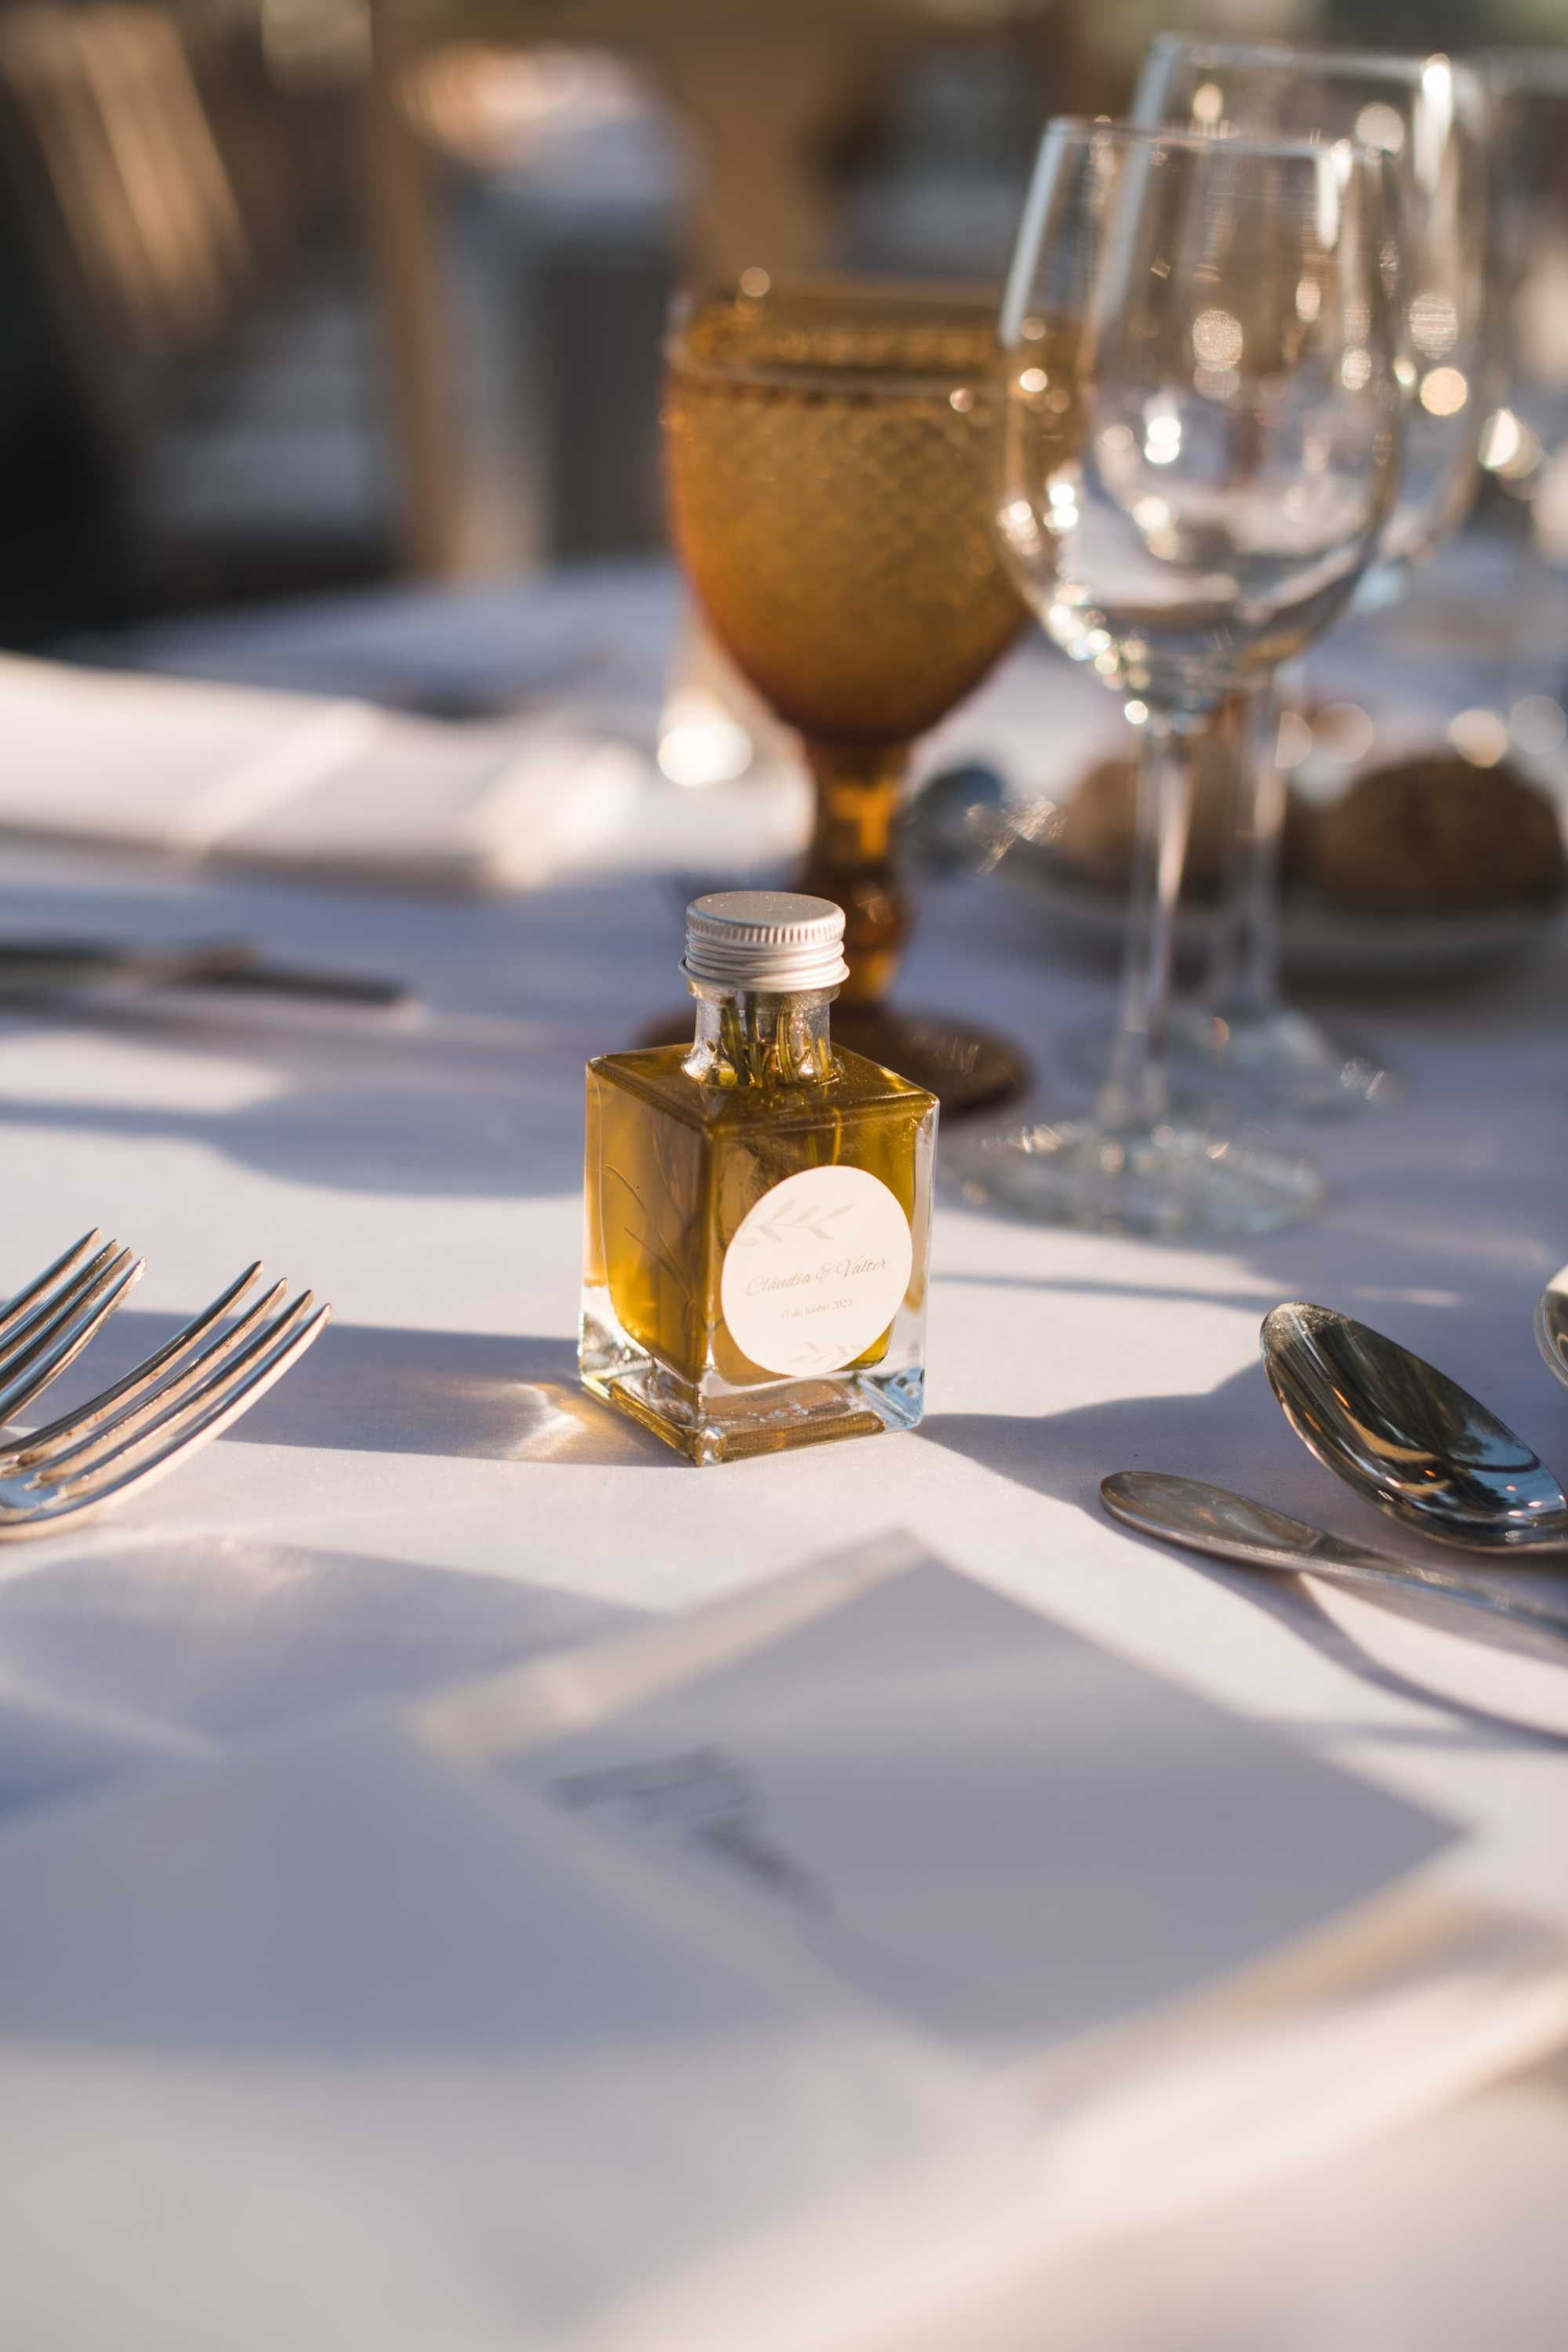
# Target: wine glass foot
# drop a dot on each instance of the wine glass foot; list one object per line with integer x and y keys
{"x": 1169, "y": 1183}
{"x": 1278, "y": 1064}
{"x": 968, "y": 1068}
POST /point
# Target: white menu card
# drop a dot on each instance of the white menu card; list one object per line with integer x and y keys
{"x": 991, "y": 1827}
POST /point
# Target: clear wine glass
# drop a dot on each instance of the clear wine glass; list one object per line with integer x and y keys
{"x": 1217, "y": 320}
{"x": 1429, "y": 116}
{"x": 1526, "y": 444}
{"x": 1528, "y": 91}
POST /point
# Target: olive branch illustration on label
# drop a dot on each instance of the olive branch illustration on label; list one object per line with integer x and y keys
{"x": 790, "y": 1227}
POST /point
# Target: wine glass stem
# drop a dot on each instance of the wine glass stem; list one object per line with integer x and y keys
{"x": 851, "y": 858}
{"x": 1244, "y": 977}
{"x": 1132, "y": 1098}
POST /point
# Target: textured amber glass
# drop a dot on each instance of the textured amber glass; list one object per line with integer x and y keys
{"x": 830, "y": 459}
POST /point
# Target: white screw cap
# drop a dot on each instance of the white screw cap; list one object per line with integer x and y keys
{"x": 774, "y": 943}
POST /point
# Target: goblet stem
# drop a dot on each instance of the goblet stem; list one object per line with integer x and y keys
{"x": 1133, "y": 1097}
{"x": 851, "y": 858}
{"x": 1244, "y": 977}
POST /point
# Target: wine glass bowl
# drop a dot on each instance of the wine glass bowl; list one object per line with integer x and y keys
{"x": 830, "y": 450}
{"x": 1228, "y": 461}
{"x": 1231, "y": 458}
{"x": 1527, "y": 91}
{"x": 1429, "y": 115}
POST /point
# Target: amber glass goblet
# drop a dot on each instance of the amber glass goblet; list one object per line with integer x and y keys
{"x": 829, "y": 447}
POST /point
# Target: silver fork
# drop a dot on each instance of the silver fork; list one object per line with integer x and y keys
{"x": 51, "y": 1322}
{"x": 180, "y": 1398}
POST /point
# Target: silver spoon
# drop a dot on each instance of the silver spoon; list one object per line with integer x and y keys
{"x": 1551, "y": 1326}
{"x": 1409, "y": 1438}
{"x": 1207, "y": 1518}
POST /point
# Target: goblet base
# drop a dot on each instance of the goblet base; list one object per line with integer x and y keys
{"x": 968, "y": 1068}
{"x": 1265, "y": 1065}
{"x": 1170, "y": 1183}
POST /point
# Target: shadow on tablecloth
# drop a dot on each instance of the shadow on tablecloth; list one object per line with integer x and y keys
{"x": 1235, "y": 1436}
{"x": 147, "y": 1653}
{"x": 474, "y": 1396}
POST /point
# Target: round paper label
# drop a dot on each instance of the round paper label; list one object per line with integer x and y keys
{"x": 817, "y": 1270}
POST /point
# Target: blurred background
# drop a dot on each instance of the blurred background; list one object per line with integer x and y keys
{"x": 306, "y": 294}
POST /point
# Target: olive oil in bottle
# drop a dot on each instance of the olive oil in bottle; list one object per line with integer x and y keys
{"x": 758, "y": 1204}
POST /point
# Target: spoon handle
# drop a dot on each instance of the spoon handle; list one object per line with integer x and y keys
{"x": 1189, "y": 1512}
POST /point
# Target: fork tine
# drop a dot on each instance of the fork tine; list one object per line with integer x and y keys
{"x": 24, "y": 1328}
{"x": 16, "y": 1308}
{"x": 51, "y": 1339}
{"x": 239, "y": 1396}
{"x": 78, "y": 1445}
{"x": 155, "y": 1376}
{"x": 78, "y": 1466}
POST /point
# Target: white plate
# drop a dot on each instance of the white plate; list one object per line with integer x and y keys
{"x": 1320, "y": 945}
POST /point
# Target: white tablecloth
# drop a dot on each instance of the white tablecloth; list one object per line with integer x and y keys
{"x": 430, "y": 1495}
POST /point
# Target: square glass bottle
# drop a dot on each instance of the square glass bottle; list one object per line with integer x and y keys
{"x": 757, "y": 1204}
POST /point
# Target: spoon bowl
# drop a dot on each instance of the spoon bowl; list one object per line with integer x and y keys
{"x": 1409, "y": 1438}
{"x": 1551, "y": 1325}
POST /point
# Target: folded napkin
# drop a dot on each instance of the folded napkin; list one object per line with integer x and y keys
{"x": 305, "y": 784}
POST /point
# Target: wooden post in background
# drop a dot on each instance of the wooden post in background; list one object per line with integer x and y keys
{"x": 414, "y": 329}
